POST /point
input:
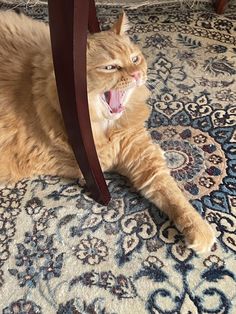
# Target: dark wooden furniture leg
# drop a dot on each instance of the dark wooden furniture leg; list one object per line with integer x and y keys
{"x": 220, "y": 6}
{"x": 68, "y": 21}
{"x": 93, "y": 24}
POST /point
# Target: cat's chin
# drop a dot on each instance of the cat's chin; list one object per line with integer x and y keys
{"x": 114, "y": 116}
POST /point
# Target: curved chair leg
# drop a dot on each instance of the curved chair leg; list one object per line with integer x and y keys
{"x": 68, "y": 21}
{"x": 93, "y": 24}
{"x": 220, "y": 6}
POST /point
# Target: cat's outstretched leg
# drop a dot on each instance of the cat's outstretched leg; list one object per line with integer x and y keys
{"x": 143, "y": 163}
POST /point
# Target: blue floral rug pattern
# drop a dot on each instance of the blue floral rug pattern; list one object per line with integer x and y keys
{"x": 60, "y": 252}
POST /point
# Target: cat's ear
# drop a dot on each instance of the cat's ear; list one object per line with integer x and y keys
{"x": 122, "y": 25}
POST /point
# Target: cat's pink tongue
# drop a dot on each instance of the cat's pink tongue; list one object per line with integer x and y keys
{"x": 115, "y": 101}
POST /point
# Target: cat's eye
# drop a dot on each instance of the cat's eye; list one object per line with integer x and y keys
{"x": 110, "y": 67}
{"x": 135, "y": 59}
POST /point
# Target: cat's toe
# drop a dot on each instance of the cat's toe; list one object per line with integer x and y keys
{"x": 200, "y": 237}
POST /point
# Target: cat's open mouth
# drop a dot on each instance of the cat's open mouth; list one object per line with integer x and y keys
{"x": 114, "y": 100}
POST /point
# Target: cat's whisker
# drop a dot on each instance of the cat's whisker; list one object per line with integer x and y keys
{"x": 126, "y": 116}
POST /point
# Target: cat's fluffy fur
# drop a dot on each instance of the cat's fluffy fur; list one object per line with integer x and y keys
{"x": 32, "y": 137}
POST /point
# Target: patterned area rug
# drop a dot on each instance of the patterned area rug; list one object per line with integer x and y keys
{"x": 129, "y": 3}
{"x": 62, "y": 253}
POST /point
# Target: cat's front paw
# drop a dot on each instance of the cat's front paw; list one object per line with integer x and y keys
{"x": 199, "y": 235}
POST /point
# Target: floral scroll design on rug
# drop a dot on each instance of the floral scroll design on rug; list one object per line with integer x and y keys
{"x": 194, "y": 159}
{"x": 10, "y": 200}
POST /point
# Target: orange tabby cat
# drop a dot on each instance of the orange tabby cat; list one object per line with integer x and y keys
{"x": 32, "y": 137}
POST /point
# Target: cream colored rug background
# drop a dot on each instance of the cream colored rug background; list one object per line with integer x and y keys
{"x": 61, "y": 253}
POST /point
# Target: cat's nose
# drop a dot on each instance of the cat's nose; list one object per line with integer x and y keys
{"x": 136, "y": 75}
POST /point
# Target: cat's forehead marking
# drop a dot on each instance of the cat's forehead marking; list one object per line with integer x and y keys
{"x": 118, "y": 48}
{"x": 114, "y": 39}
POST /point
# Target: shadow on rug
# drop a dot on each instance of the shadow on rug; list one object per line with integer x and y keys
{"x": 62, "y": 253}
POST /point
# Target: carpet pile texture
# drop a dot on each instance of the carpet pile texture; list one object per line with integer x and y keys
{"x": 124, "y": 3}
{"x": 62, "y": 253}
